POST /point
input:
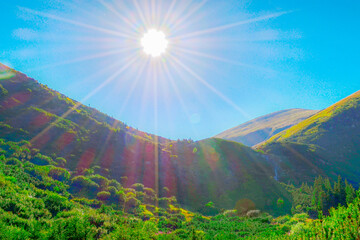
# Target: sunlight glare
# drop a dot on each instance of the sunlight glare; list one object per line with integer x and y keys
{"x": 154, "y": 43}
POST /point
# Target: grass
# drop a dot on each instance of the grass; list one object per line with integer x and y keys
{"x": 312, "y": 126}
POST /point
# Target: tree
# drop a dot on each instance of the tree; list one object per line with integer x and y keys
{"x": 243, "y": 206}
{"x": 350, "y": 193}
{"x": 280, "y": 202}
{"x": 339, "y": 192}
{"x": 209, "y": 204}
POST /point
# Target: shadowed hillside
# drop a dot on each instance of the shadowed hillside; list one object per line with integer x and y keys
{"x": 226, "y": 172}
{"x": 262, "y": 128}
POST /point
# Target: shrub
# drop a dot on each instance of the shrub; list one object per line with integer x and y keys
{"x": 138, "y": 186}
{"x": 114, "y": 183}
{"x": 130, "y": 195}
{"x": 13, "y": 232}
{"x": 169, "y": 223}
{"x": 120, "y": 195}
{"x": 301, "y": 216}
{"x": 283, "y": 219}
{"x": 83, "y": 184}
{"x": 61, "y": 162}
{"x": 112, "y": 190}
{"x": 88, "y": 202}
{"x": 103, "y": 195}
{"x": 297, "y": 228}
{"x": 150, "y": 227}
{"x": 55, "y": 203}
{"x": 100, "y": 180}
{"x": 11, "y": 179}
{"x": 41, "y": 160}
{"x": 253, "y": 213}
{"x": 14, "y": 161}
{"x": 74, "y": 227}
{"x": 181, "y": 233}
{"x": 243, "y": 206}
{"x": 131, "y": 204}
{"x": 33, "y": 172}
{"x": 230, "y": 213}
{"x": 59, "y": 174}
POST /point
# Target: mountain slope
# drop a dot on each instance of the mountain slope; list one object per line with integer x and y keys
{"x": 196, "y": 173}
{"x": 225, "y": 172}
{"x": 329, "y": 141}
{"x": 262, "y": 128}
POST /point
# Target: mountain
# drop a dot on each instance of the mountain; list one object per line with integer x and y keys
{"x": 45, "y": 196}
{"x": 327, "y": 143}
{"x": 262, "y": 128}
{"x": 225, "y": 172}
{"x": 216, "y": 170}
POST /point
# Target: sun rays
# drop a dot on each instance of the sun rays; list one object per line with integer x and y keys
{"x": 153, "y": 54}
{"x": 123, "y": 32}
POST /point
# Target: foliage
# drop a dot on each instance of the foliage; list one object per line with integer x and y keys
{"x": 318, "y": 199}
{"x": 34, "y": 204}
{"x": 64, "y": 189}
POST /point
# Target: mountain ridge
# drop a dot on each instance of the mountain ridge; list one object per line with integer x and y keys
{"x": 327, "y": 143}
{"x": 262, "y": 128}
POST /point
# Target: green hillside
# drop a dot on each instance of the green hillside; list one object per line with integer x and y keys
{"x": 342, "y": 116}
{"x": 327, "y": 143}
{"x": 262, "y": 128}
{"x": 62, "y": 127}
{"x": 210, "y": 170}
{"x": 68, "y": 171}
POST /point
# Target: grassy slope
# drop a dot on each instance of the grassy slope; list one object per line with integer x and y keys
{"x": 87, "y": 138}
{"x": 310, "y": 130}
{"x": 330, "y": 141}
{"x": 261, "y": 129}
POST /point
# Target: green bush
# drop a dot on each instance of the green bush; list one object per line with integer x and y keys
{"x": 103, "y": 195}
{"x": 14, "y": 161}
{"x": 56, "y": 203}
{"x": 41, "y": 160}
{"x": 74, "y": 227}
{"x": 103, "y": 182}
{"x": 150, "y": 228}
{"x": 82, "y": 182}
{"x": 61, "y": 162}
{"x": 59, "y": 174}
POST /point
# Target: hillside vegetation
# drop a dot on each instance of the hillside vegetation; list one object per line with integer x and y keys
{"x": 195, "y": 173}
{"x": 327, "y": 144}
{"x": 42, "y": 200}
{"x": 224, "y": 172}
{"x": 58, "y": 182}
{"x": 342, "y": 116}
{"x": 262, "y": 128}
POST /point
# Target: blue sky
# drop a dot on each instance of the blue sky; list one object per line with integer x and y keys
{"x": 291, "y": 54}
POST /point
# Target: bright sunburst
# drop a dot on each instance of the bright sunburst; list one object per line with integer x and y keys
{"x": 154, "y": 43}
{"x": 119, "y": 40}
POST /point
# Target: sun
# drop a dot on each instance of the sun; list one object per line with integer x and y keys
{"x": 154, "y": 43}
